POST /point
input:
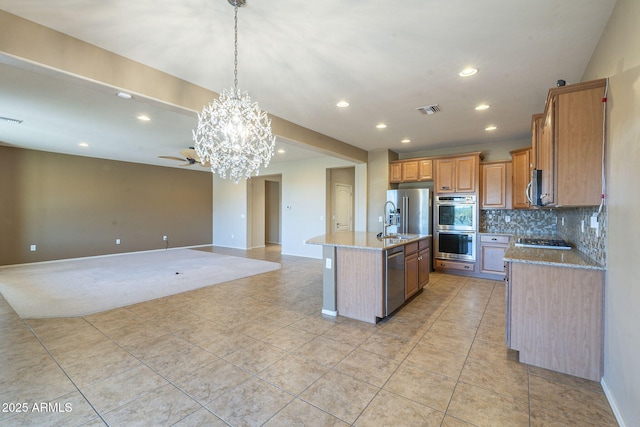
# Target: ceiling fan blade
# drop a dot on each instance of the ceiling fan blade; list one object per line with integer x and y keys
{"x": 180, "y": 159}
{"x": 190, "y": 153}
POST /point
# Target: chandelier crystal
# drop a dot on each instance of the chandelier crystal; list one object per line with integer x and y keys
{"x": 233, "y": 134}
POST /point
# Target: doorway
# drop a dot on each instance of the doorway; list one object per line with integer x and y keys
{"x": 272, "y": 233}
{"x": 340, "y": 199}
{"x": 343, "y": 202}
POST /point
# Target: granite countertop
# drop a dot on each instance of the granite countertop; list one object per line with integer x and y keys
{"x": 562, "y": 258}
{"x": 362, "y": 240}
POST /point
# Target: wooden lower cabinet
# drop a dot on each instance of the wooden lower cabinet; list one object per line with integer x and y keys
{"x": 424, "y": 266}
{"x": 555, "y": 317}
{"x": 417, "y": 266}
{"x": 411, "y": 275}
{"x": 491, "y": 250}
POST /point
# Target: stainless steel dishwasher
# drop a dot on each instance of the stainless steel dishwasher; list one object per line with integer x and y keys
{"x": 394, "y": 284}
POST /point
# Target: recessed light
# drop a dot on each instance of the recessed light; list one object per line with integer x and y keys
{"x": 342, "y": 104}
{"x": 482, "y": 107}
{"x": 381, "y": 126}
{"x": 490, "y": 128}
{"x": 144, "y": 118}
{"x": 468, "y": 72}
{"x": 281, "y": 151}
{"x": 83, "y": 144}
{"x": 124, "y": 95}
{"x": 405, "y": 141}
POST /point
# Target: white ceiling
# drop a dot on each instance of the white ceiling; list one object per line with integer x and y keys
{"x": 297, "y": 59}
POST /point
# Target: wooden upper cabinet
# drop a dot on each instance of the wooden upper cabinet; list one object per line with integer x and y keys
{"x": 457, "y": 174}
{"x": 466, "y": 174}
{"x": 495, "y": 190}
{"x": 425, "y": 170}
{"x": 578, "y": 145}
{"x": 445, "y": 176}
{"x": 521, "y": 166}
{"x": 395, "y": 172}
{"x": 410, "y": 171}
{"x": 569, "y": 145}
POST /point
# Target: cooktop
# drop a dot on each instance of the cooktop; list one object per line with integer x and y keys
{"x": 529, "y": 242}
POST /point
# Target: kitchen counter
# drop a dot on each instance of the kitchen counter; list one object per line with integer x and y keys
{"x": 363, "y": 240}
{"x": 556, "y": 257}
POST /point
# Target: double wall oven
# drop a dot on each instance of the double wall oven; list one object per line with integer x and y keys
{"x": 456, "y": 227}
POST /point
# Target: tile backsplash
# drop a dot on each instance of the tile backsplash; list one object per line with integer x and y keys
{"x": 592, "y": 242}
{"x": 565, "y": 223}
{"x": 520, "y": 222}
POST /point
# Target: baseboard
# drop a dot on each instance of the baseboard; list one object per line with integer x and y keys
{"x": 612, "y": 403}
{"x": 329, "y": 312}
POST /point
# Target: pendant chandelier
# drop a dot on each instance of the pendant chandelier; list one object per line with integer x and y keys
{"x": 233, "y": 134}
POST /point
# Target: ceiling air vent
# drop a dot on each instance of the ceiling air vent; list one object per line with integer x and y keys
{"x": 429, "y": 109}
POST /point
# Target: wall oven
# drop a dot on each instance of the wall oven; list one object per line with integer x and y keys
{"x": 456, "y": 213}
{"x": 457, "y": 245}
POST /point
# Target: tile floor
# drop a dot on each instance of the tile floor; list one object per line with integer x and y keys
{"x": 257, "y": 351}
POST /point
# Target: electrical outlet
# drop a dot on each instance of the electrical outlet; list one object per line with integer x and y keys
{"x": 117, "y": 241}
{"x": 33, "y": 248}
{"x": 582, "y": 225}
{"x": 507, "y": 218}
{"x": 562, "y": 220}
{"x": 379, "y": 219}
{"x": 594, "y": 221}
{"x": 164, "y": 238}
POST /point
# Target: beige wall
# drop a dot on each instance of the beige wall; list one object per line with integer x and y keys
{"x": 70, "y": 206}
{"x": 617, "y": 56}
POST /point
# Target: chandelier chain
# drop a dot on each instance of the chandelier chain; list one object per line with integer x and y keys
{"x": 235, "y": 49}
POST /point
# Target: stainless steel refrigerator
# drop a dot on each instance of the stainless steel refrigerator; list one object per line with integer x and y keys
{"x": 414, "y": 209}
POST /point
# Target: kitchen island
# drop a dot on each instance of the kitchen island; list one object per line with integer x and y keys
{"x": 363, "y": 277}
{"x": 554, "y": 310}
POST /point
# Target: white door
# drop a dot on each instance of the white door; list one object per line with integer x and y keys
{"x": 343, "y": 200}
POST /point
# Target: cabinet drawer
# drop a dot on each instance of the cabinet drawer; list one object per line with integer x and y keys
{"x": 423, "y": 244}
{"x": 492, "y": 238}
{"x": 410, "y": 248}
{"x": 455, "y": 265}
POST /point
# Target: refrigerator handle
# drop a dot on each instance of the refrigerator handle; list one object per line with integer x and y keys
{"x": 405, "y": 214}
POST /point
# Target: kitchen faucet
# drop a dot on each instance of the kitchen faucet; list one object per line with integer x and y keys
{"x": 387, "y": 224}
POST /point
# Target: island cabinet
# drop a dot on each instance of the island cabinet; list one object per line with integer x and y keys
{"x": 555, "y": 317}
{"x": 521, "y": 166}
{"x": 495, "y": 191}
{"x": 355, "y": 269}
{"x": 417, "y": 266}
{"x": 569, "y": 145}
{"x": 457, "y": 174}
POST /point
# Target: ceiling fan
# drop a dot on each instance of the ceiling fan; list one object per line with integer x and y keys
{"x": 189, "y": 156}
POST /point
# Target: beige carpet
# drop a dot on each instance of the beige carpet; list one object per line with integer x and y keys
{"x": 89, "y": 285}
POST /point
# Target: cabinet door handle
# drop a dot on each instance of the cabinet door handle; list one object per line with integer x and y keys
{"x": 494, "y": 239}
{"x": 467, "y": 267}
